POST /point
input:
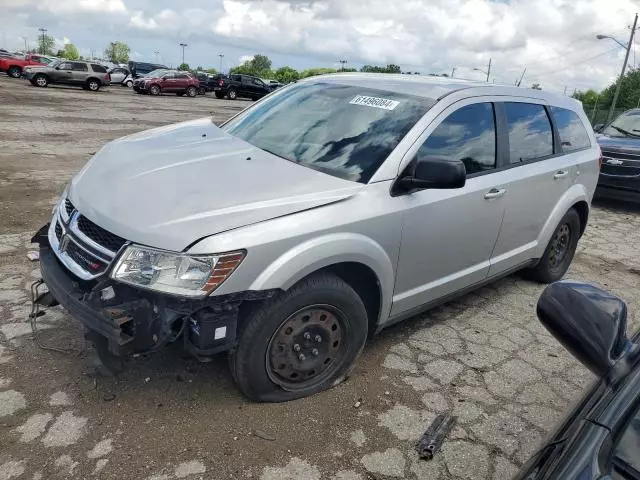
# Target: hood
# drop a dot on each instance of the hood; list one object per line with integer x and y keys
{"x": 171, "y": 186}
{"x": 619, "y": 144}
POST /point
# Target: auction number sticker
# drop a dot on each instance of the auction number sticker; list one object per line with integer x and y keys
{"x": 375, "y": 102}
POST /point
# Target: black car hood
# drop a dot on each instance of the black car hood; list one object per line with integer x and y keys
{"x": 619, "y": 144}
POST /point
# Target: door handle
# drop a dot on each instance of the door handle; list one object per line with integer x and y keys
{"x": 560, "y": 174}
{"x": 495, "y": 193}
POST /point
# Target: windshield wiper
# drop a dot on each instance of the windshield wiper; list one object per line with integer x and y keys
{"x": 625, "y": 132}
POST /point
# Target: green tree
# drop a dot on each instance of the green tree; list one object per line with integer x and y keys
{"x": 45, "y": 45}
{"x": 258, "y": 66}
{"x": 212, "y": 71}
{"x": 311, "y": 72}
{"x": 70, "y": 52}
{"x": 629, "y": 92}
{"x": 287, "y": 75}
{"x": 588, "y": 98}
{"x": 391, "y": 68}
{"x": 117, "y": 52}
{"x": 184, "y": 66}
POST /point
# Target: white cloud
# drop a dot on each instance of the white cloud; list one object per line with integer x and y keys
{"x": 245, "y": 58}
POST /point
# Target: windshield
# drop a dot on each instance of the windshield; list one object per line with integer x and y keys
{"x": 155, "y": 73}
{"x": 626, "y": 125}
{"x": 55, "y": 63}
{"x": 342, "y": 130}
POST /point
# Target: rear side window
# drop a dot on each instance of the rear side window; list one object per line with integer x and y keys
{"x": 573, "y": 135}
{"x": 468, "y": 135}
{"x": 98, "y": 68}
{"x": 182, "y": 75}
{"x": 79, "y": 67}
{"x": 530, "y": 134}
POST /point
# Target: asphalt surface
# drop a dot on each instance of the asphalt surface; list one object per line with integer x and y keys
{"x": 484, "y": 357}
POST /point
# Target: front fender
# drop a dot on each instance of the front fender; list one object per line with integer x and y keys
{"x": 321, "y": 252}
{"x": 577, "y": 193}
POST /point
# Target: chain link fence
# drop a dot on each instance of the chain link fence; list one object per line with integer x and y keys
{"x": 598, "y": 114}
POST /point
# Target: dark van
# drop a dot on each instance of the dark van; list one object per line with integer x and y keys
{"x": 138, "y": 69}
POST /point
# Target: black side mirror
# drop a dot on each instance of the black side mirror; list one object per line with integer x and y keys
{"x": 598, "y": 127}
{"x": 435, "y": 172}
{"x": 587, "y": 321}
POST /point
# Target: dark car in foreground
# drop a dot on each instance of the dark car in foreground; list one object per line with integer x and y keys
{"x": 620, "y": 144}
{"x": 600, "y": 439}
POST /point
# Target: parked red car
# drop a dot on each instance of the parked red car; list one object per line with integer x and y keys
{"x": 171, "y": 81}
{"x": 13, "y": 66}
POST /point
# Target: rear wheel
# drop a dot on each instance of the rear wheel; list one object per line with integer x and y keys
{"x": 233, "y": 95}
{"x": 301, "y": 342}
{"x": 154, "y": 90}
{"x": 14, "y": 72}
{"x": 192, "y": 91}
{"x": 560, "y": 250}
{"x": 93, "y": 84}
{"x": 41, "y": 80}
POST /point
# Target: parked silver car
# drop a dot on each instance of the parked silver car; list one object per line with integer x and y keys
{"x": 118, "y": 75}
{"x": 329, "y": 210}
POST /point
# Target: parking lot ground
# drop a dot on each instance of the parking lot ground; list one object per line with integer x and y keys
{"x": 484, "y": 358}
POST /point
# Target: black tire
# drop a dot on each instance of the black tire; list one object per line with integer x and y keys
{"x": 219, "y": 95}
{"x": 129, "y": 84}
{"x": 560, "y": 250}
{"x": 180, "y": 94}
{"x": 233, "y": 95}
{"x": 251, "y": 361}
{"x": 41, "y": 81}
{"x": 93, "y": 84}
{"x": 155, "y": 90}
{"x": 192, "y": 91}
{"x": 14, "y": 72}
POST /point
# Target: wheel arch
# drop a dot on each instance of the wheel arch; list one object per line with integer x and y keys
{"x": 575, "y": 197}
{"x": 356, "y": 259}
{"x": 93, "y": 78}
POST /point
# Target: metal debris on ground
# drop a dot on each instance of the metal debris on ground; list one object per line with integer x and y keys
{"x": 33, "y": 255}
{"x": 432, "y": 439}
{"x": 264, "y": 435}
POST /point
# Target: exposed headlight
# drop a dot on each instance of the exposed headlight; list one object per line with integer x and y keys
{"x": 175, "y": 273}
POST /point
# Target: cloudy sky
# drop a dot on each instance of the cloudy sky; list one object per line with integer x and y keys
{"x": 554, "y": 39}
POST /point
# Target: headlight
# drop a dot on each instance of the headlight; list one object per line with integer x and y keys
{"x": 175, "y": 273}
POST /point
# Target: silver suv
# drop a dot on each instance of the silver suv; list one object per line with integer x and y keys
{"x": 329, "y": 210}
{"x": 88, "y": 75}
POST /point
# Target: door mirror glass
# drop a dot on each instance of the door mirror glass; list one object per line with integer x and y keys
{"x": 436, "y": 172}
{"x": 589, "y": 322}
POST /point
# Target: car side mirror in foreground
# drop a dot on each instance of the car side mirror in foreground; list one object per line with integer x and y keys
{"x": 435, "y": 172}
{"x": 598, "y": 127}
{"x": 588, "y": 322}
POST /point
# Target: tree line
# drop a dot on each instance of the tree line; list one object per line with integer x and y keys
{"x": 629, "y": 94}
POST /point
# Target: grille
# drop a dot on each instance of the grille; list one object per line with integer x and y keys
{"x": 630, "y": 163}
{"x": 85, "y": 260}
{"x": 58, "y": 231}
{"x": 68, "y": 207}
{"x": 99, "y": 235}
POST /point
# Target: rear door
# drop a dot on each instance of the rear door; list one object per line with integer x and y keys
{"x": 182, "y": 81}
{"x": 538, "y": 176}
{"x": 80, "y": 73}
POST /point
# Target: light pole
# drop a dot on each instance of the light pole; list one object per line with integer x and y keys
{"x": 453, "y": 71}
{"x": 156, "y": 53}
{"x": 342, "y": 64}
{"x": 183, "y": 45}
{"x": 488, "y": 72}
{"x": 624, "y": 65}
{"x": 26, "y": 48}
{"x": 221, "y": 55}
{"x": 43, "y": 31}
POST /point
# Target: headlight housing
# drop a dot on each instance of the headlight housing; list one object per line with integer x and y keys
{"x": 175, "y": 273}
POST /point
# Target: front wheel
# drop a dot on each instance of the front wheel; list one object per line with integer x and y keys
{"x": 192, "y": 91}
{"x": 300, "y": 342}
{"x": 560, "y": 251}
{"x": 14, "y": 72}
{"x": 154, "y": 90}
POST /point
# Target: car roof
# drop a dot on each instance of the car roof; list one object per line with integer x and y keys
{"x": 434, "y": 87}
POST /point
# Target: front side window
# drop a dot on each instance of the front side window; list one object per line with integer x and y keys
{"x": 65, "y": 66}
{"x": 467, "y": 135}
{"x": 626, "y": 457}
{"x": 573, "y": 135}
{"x": 343, "y": 130}
{"x": 530, "y": 134}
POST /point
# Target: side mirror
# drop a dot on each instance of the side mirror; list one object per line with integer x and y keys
{"x": 598, "y": 127}
{"x": 435, "y": 172}
{"x": 589, "y": 322}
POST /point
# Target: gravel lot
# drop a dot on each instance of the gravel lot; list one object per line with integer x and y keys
{"x": 484, "y": 357}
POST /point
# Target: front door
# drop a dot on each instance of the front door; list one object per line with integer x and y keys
{"x": 539, "y": 174}
{"x": 448, "y": 235}
{"x": 63, "y": 73}
{"x": 168, "y": 82}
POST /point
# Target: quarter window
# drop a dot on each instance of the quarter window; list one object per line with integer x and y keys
{"x": 573, "y": 135}
{"x": 468, "y": 135}
{"x": 530, "y": 134}
{"x": 80, "y": 67}
{"x": 99, "y": 68}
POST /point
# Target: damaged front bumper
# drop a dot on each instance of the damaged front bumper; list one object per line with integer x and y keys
{"x": 132, "y": 320}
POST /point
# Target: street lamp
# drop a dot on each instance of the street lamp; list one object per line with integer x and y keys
{"x": 600, "y": 37}
{"x": 624, "y": 66}
{"x": 156, "y": 53}
{"x": 183, "y": 45}
{"x": 221, "y": 55}
{"x": 43, "y": 31}
{"x": 342, "y": 63}
{"x": 486, "y": 72}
